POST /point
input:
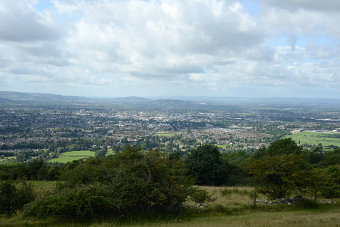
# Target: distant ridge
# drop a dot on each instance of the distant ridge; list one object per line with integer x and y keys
{"x": 29, "y": 97}
{"x": 10, "y": 96}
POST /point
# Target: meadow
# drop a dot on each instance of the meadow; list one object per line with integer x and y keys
{"x": 6, "y": 159}
{"x": 232, "y": 206}
{"x": 72, "y": 155}
{"x": 223, "y": 146}
{"x": 110, "y": 152}
{"x": 166, "y": 134}
{"x": 315, "y": 138}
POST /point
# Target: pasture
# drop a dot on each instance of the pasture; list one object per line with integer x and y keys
{"x": 166, "y": 134}
{"x": 315, "y": 138}
{"x": 72, "y": 155}
{"x": 223, "y": 146}
{"x": 110, "y": 152}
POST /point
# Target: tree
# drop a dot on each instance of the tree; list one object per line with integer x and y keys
{"x": 331, "y": 182}
{"x": 13, "y": 198}
{"x": 283, "y": 146}
{"x": 206, "y": 165}
{"x": 279, "y": 174}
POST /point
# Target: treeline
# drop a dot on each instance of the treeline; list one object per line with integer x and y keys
{"x": 37, "y": 169}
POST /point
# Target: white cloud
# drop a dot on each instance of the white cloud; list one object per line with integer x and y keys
{"x": 19, "y": 21}
{"x": 317, "y": 5}
{"x": 194, "y": 46}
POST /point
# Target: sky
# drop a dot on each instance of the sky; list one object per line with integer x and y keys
{"x": 112, "y": 48}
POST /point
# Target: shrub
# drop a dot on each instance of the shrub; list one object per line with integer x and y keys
{"x": 206, "y": 164}
{"x": 82, "y": 202}
{"x": 129, "y": 182}
{"x": 331, "y": 183}
{"x": 13, "y": 198}
{"x": 307, "y": 204}
{"x": 200, "y": 196}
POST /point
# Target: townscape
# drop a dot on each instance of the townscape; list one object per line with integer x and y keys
{"x": 31, "y": 130}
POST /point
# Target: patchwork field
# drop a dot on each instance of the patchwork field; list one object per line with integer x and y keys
{"x": 315, "y": 138}
{"x": 72, "y": 155}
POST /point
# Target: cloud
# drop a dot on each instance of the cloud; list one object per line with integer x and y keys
{"x": 316, "y": 5}
{"x": 176, "y": 46}
{"x": 19, "y": 21}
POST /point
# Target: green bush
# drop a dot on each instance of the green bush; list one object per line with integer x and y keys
{"x": 200, "y": 196}
{"x": 206, "y": 164}
{"x": 307, "y": 204}
{"x": 126, "y": 183}
{"x": 331, "y": 183}
{"x": 13, "y": 198}
{"x": 82, "y": 202}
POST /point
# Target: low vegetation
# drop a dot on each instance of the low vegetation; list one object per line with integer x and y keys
{"x": 134, "y": 187}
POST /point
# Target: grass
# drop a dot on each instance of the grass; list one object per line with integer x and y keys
{"x": 72, "y": 155}
{"x": 288, "y": 218}
{"x": 232, "y": 207}
{"x": 314, "y": 138}
{"x": 223, "y": 146}
{"x": 110, "y": 152}
{"x": 166, "y": 134}
{"x": 6, "y": 159}
{"x": 232, "y": 197}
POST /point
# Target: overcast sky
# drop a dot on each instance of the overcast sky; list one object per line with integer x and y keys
{"x": 250, "y": 48}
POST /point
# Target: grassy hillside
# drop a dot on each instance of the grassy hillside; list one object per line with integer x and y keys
{"x": 232, "y": 207}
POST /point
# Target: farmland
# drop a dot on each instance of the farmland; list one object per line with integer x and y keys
{"x": 72, "y": 155}
{"x": 315, "y": 138}
{"x": 166, "y": 134}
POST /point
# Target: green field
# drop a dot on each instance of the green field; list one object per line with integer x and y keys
{"x": 6, "y": 159}
{"x": 167, "y": 134}
{"x": 223, "y": 146}
{"x": 72, "y": 155}
{"x": 314, "y": 138}
{"x": 110, "y": 152}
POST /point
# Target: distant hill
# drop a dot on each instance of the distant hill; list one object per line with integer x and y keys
{"x": 130, "y": 99}
{"x": 35, "y": 97}
{"x": 10, "y": 97}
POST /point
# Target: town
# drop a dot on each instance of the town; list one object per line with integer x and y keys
{"x": 29, "y": 129}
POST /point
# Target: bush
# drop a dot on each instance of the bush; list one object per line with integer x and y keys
{"x": 200, "y": 196}
{"x": 13, "y": 198}
{"x": 81, "y": 202}
{"x": 206, "y": 164}
{"x": 331, "y": 184}
{"x": 129, "y": 182}
{"x": 307, "y": 204}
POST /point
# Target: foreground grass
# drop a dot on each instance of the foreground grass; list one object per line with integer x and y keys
{"x": 232, "y": 207}
{"x": 256, "y": 217}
